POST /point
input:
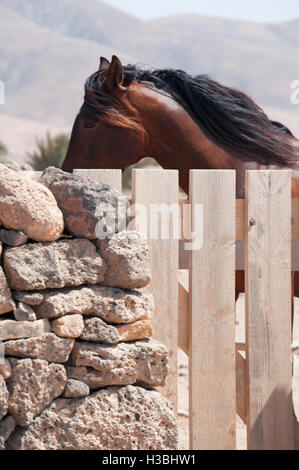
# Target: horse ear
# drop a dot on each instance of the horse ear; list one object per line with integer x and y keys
{"x": 104, "y": 64}
{"x": 115, "y": 75}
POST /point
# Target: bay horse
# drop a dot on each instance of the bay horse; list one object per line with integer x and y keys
{"x": 184, "y": 122}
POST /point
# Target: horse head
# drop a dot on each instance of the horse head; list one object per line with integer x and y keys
{"x": 107, "y": 132}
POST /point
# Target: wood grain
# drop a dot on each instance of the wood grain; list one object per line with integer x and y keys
{"x": 268, "y": 310}
{"x": 212, "y": 314}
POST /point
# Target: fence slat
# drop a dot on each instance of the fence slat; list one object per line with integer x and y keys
{"x": 268, "y": 310}
{"x": 112, "y": 177}
{"x": 161, "y": 187}
{"x": 212, "y": 303}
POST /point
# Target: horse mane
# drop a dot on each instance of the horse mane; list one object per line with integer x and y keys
{"x": 226, "y": 115}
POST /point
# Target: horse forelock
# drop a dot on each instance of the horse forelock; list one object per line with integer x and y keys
{"x": 109, "y": 109}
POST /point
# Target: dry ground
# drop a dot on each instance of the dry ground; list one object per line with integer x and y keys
{"x": 183, "y": 381}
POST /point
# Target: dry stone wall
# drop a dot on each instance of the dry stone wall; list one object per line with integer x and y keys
{"x": 80, "y": 364}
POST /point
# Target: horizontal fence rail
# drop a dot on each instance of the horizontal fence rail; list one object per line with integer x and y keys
{"x": 259, "y": 235}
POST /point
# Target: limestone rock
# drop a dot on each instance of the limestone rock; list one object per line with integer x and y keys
{"x": 7, "y": 426}
{"x": 24, "y": 312}
{"x": 5, "y": 369}
{"x": 28, "y": 206}
{"x": 75, "y": 389}
{"x": 128, "y": 261}
{"x": 140, "y": 329}
{"x": 13, "y": 238}
{"x": 48, "y": 346}
{"x": 127, "y": 418}
{"x": 86, "y": 205}
{"x": 122, "y": 364}
{"x": 99, "y": 331}
{"x": 33, "y": 386}
{"x": 95, "y": 329}
{"x": 3, "y": 397}
{"x": 53, "y": 265}
{"x": 111, "y": 304}
{"x": 11, "y": 329}
{"x": 70, "y": 326}
{"x": 29, "y": 298}
{"x": 6, "y": 302}
{"x": 91, "y": 377}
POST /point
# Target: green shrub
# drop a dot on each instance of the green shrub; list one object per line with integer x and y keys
{"x": 50, "y": 151}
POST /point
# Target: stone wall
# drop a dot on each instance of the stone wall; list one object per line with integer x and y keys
{"x": 80, "y": 364}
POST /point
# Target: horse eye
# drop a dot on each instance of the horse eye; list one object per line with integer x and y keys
{"x": 89, "y": 125}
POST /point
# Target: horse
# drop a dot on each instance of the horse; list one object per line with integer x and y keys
{"x": 184, "y": 122}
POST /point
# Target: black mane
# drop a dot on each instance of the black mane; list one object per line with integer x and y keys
{"x": 228, "y": 116}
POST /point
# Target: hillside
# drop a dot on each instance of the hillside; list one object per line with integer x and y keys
{"x": 44, "y": 71}
{"x": 88, "y": 19}
{"x": 48, "y": 48}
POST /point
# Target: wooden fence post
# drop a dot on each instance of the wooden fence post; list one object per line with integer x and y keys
{"x": 212, "y": 316}
{"x": 268, "y": 310}
{"x": 160, "y": 187}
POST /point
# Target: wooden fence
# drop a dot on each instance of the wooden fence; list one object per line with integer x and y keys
{"x": 252, "y": 379}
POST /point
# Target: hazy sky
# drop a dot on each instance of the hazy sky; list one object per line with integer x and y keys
{"x": 256, "y": 10}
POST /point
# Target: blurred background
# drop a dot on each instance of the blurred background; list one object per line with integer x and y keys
{"x": 49, "y": 47}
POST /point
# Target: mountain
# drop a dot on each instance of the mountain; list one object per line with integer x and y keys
{"x": 48, "y": 48}
{"x": 87, "y": 19}
{"x": 43, "y": 70}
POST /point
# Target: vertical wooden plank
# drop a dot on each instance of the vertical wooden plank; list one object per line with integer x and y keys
{"x": 112, "y": 177}
{"x": 212, "y": 317}
{"x": 150, "y": 187}
{"x": 268, "y": 310}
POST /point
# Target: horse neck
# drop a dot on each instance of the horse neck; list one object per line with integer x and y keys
{"x": 175, "y": 139}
